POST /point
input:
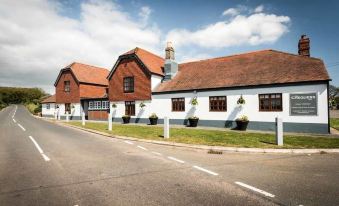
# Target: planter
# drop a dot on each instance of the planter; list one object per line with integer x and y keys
{"x": 193, "y": 122}
{"x": 241, "y": 125}
{"x": 153, "y": 121}
{"x": 126, "y": 120}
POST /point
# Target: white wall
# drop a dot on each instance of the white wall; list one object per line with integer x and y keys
{"x": 46, "y": 111}
{"x": 161, "y": 105}
{"x": 155, "y": 81}
{"x": 74, "y": 112}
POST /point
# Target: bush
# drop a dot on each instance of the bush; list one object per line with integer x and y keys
{"x": 32, "y": 108}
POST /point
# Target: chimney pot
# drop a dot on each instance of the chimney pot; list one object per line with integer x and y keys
{"x": 169, "y": 51}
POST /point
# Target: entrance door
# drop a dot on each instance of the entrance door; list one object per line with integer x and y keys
{"x": 68, "y": 108}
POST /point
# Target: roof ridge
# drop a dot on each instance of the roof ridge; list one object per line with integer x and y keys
{"x": 247, "y": 53}
{"x": 87, "y": 65}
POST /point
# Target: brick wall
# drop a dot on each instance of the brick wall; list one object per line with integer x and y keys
{"x": 142, "y": 82}
{"x": 98, "y": 115}
{"x": 67, "y": 97}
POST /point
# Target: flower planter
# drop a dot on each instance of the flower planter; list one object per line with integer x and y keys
{"x": 193, "y": 122}
{"x": 126, "y": 120}
{"x": 241, "y": 125}
{"x": 153, "y": 121}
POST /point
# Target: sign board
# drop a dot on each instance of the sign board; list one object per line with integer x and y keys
{"x": 304, "y": 104}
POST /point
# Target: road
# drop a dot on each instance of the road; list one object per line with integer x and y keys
{"x": 42, "y": 163}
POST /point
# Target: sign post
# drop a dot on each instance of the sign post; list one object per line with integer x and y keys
{"x": 279, "y": 139}
{"x": 67, "y": 117}
{"x": 166, "y": 128}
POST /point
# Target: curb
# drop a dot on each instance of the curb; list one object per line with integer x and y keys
{"x": 206, "y": 147}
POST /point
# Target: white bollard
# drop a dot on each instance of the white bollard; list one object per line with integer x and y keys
{"x": 110, "y": 121}
{"x": 67, "y": 117}
{"x": 83, "y": 118}
{"x": 55, "y": 115}
{"x": 279, "y": 131}
{"x": 166, "y": 128}
{"x": 58, "y": 115}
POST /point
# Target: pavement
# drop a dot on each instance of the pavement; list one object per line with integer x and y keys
{"x": 42, "y": 163}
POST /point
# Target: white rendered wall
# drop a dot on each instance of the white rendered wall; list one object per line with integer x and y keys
{"x": 161, "y": 105}
{"x": 46, "y": 111}
{"x": 155, "y": 81}
{"x": 74, "y": 112}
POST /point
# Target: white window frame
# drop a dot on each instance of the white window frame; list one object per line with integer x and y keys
{"x": 90, "y": 105}
{"x": 48, "y": 106}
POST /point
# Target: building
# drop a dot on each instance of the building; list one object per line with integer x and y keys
{"x": 48, "y": 107}
{"x": 272, "y": 83}
{"x": 82, "y": 88}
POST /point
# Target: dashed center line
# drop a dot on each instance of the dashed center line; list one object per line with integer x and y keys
{"x": 157, "y": 153}
{"x": 128, "y": 142}
{"x": 143, "y": 148}
{"x": 255, "y": 189}
{"x": 14, "y": 120}
{"x": 175, "y": 159}
{"x": 205, "y": 170}
{"x": 39, "y": 149}
{"x": 21, "y": 127}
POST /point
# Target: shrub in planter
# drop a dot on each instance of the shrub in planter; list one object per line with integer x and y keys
{"x": 193, "y": 121}
{"x": 153, "y": 119}
{"x": 242, "y": 123}
{"x": 126, "y": 119}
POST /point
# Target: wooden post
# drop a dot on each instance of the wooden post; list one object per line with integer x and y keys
{"x": 279, "y": 131}
{"x": 166, "y": 128}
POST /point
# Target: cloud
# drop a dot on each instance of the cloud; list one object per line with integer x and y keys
{"x": 231, "y": 12}
{"x": 251, "y": 29}
{"x": 144, "y": 13}
{"x": 36, "y": 40}
{"x": 259, "y": 9}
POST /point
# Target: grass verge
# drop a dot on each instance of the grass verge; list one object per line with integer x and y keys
{"x": 334, "y": 122}
{"x": 214, "y": 137}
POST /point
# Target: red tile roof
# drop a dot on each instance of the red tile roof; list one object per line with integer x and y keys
{"x": 50, "y": 99}
{"x": 89, "y": 74}
{"x": 153, "y": 62}
{"x": 254, "y": 68}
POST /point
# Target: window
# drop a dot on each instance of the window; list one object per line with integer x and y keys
{"x": 218, "y": 104}
{"x": 270, "y": 102}
{"x": 48, "y": 106}
{"x": 68, "y": 108}
{"x": 130, "y": 108}
{"x": 105, "y": 104}
{"x": 129, "y": 84}
{"x": 91, "y": 105}
{"x": 178, "y": 104}
{"x": 67, "y": 87}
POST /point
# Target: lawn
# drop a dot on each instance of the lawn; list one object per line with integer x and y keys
{"x": 214, "y": 137}
{"x": 334, "y": 122}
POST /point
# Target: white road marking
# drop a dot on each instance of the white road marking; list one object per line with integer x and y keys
{"x": 21, "y": 127}
{"x": 14, "y": 120}
{"x": 142, "y": 147}
{"x": 157, "y": 153}
{"x": 128, "y": 142}
{"x": 45, "y": 157}
{"x": 39, "y": 149}
{"x": 14, "y": 111}
{"x": 175, "y": 159}
{"x": 255, "y": 189}
{"x": 205, "y": 170}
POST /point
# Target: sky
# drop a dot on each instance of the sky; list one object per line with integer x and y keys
{"x": 40, "y": 37}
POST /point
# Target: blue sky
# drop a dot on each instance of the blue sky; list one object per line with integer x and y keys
{"x": 40, "y": 37}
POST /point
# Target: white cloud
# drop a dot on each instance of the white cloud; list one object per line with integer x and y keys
{"x": 231, "y": 12}
{"x": 36, "y": 40}
{"x": 144, "y": 13}
{"x": 251, "y": 29}
{"x": 259, "y": 9}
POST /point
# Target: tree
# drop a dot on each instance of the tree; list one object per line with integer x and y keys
{"x": 333, "y": 92}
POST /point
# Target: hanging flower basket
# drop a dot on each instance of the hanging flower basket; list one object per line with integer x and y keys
{"x": 241, "y": 100}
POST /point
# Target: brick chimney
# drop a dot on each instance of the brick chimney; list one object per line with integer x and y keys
{"x": 171, "y": 66}
{"x": 304, "y": 46}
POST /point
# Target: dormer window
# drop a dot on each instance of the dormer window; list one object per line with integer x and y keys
{"x": 128, "y": 84}
{"x": 67, "y": 87}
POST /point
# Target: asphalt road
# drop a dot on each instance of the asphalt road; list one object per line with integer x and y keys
{"x": 46, "y": 164}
